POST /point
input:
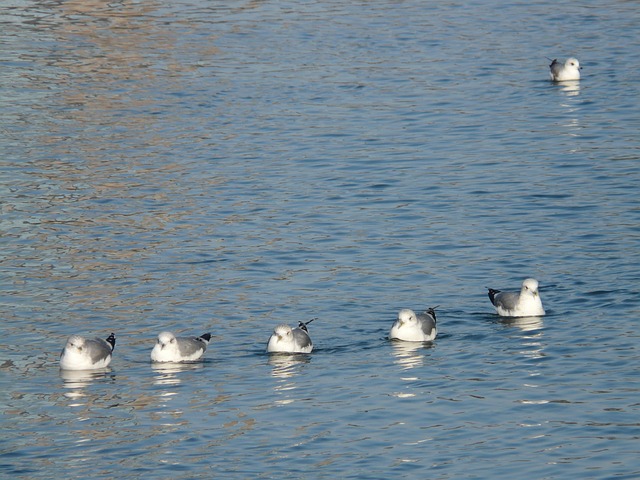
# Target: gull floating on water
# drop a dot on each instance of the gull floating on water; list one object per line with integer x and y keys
{"x": 570, "y": 70}
{"x": 170, "y": 348}
{"x": 415, "y": 328}
{"x": 527, "y": 303}
{"x": 82, "y": 354}
{"x": 291, "y": 340}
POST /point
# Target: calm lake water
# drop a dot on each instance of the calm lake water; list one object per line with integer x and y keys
{"x": 201, "y": 166}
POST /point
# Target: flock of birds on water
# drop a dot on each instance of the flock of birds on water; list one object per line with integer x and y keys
{"x": 86, "y": 354}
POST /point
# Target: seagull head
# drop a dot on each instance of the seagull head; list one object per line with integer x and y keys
{"x": 76, "y": 341}
{"x": 572, "y": 63}
{"x": 530, "y": 285}
{"x": 165, "y": 339}
{"x": 406, "y": 317}
{"x": 283, "y": 332}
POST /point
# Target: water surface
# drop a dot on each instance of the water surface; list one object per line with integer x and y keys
{"x": 226, "y": 167}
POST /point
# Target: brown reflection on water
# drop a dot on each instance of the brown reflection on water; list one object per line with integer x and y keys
{"x": 98, "y": 197}
{"x": 114, "y": 61}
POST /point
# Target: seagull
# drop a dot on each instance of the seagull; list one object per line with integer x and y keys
{"x": 291, "y": 340}
{"x": 415, "y": 328}
{"x": 570, "y": 70}
{"x": 82, "y": 354}
{"x": 170, "y": 348}
{"x": 527, "y": 303}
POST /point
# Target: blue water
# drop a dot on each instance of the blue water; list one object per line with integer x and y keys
{"x": 201, "y": 166}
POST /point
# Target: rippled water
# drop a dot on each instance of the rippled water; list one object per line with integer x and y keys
{"x": 228, "y": 166}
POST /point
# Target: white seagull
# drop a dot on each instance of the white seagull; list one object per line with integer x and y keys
{"x": 170, "y": 348}
{"x": 570, "y": 70}
{"x": 527, "y": 303}
{"x": 415, "y": 328}
{"x": 82, "y": 354}
{"x": 291, "y": 340}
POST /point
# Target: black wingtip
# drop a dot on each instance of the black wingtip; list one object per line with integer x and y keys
{"x": 206, "y": 337}
{"x": 303, "y": 325}
{"x": 432, "y": 311}
{"x": 492, "y": 295}
{"x": 111, "y": 340}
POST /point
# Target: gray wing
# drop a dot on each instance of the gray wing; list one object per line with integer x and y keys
{"x": 506, "y": 300}
{"x": 427, "y": 322}
{"x": 555, "y": 67}
{"x": 189, "y": 345}
{"x": 98, "y": 349}
{"x": 301, "y": 338}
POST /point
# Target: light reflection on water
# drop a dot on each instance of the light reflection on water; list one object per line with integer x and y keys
{"x": 169, "y": 375}
{"x": 526, "y": 324}
{"x": 285, "y": 368}
{"x": 570, "y": 88}
{"x": 409, "y": 355}
{"x": 78, "y": 380}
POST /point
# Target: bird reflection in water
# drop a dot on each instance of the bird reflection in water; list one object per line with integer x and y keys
{"x": 77, "y": 380}
{"x": 167, "y": 373}
{"x": 526, "y": 324}
{"x": 168, "y": 411}
{"x": 531, "y": 337}
{"x": 570, "y": 88}
{"x": 285, "y": 368}
{"x": 409, "y": 354}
